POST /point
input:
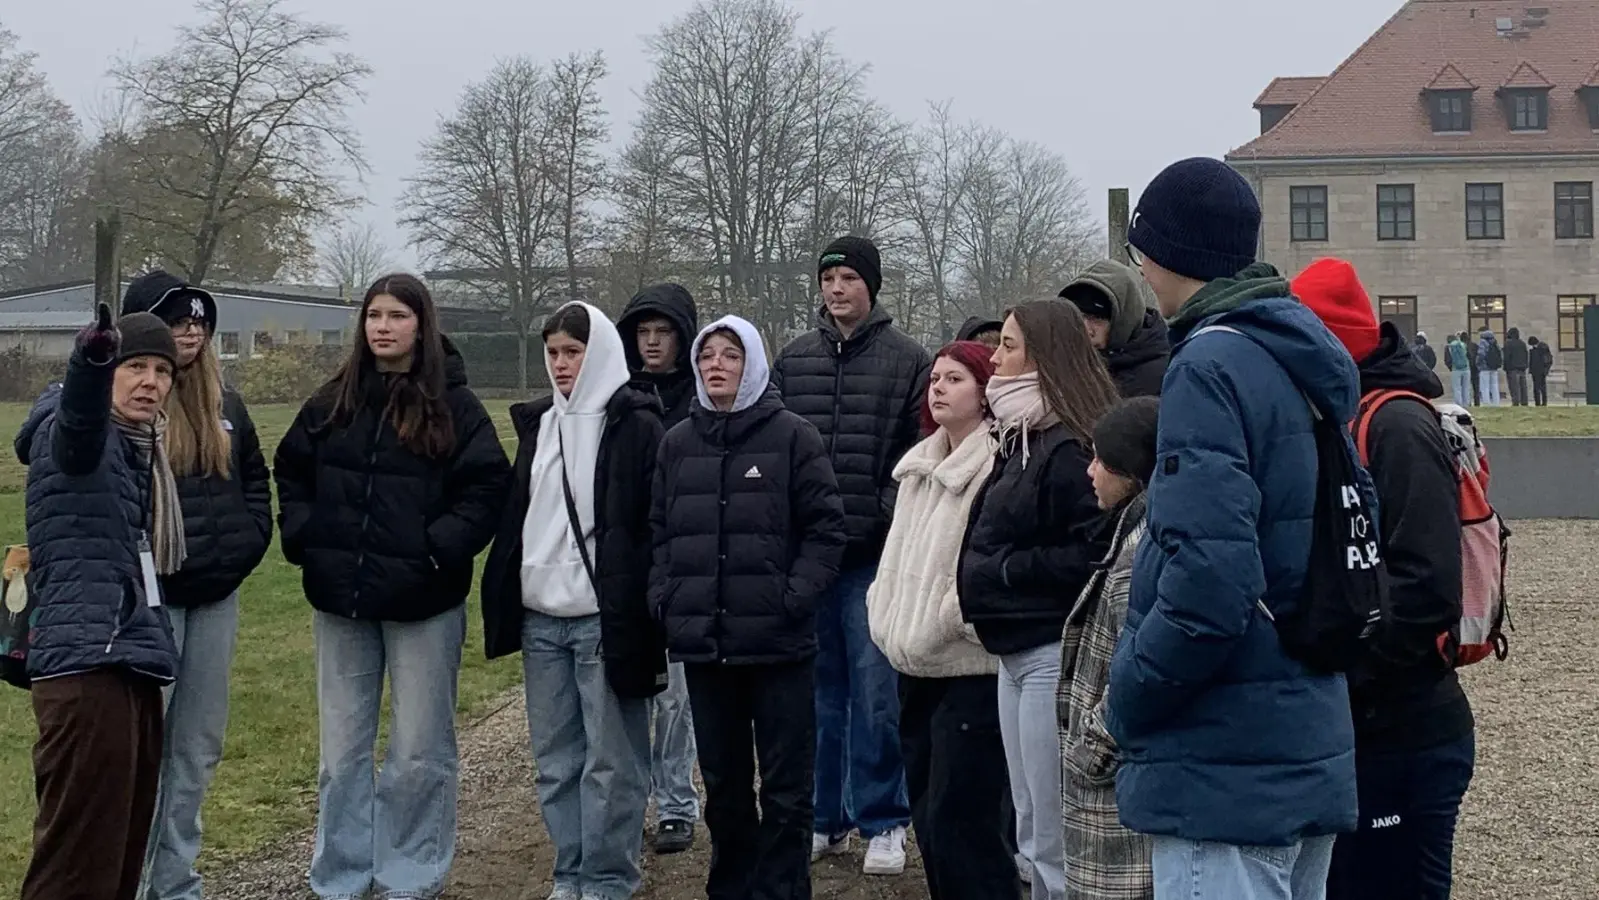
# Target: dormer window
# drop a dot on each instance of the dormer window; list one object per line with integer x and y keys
{"x": 1590, "y": 100}
{"x": 1451, "y": 111}
{"x": 1527, "y": 110}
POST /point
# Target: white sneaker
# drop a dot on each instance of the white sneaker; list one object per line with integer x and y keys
{"x": 827, "y": 845}
{"x": 885, "y": 855}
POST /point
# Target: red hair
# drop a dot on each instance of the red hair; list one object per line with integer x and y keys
{"x": 976, "y": 357}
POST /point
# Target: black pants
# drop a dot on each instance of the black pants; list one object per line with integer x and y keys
{"x": 95, "y": 770}
{"x": 1476, "y": 382}
{"x": 959, "y": 786}
{"x": 1540, "y": 389}
{"x": 1405, "y": 844}
{"x": 1517, "y": 379}
{"x": 762, "y": 854}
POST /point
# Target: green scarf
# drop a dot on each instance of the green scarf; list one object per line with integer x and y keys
{"x": 1259, "y": 281}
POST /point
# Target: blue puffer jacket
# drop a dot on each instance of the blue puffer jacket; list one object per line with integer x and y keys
{"x": 85, "y": 499}
{"x": 1225, "y": 738}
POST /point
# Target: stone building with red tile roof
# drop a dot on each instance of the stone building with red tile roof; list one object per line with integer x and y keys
{"x": 1452, "y": 158}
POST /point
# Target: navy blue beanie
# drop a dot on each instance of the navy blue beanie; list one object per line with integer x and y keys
{"x": 1198, "y": 219}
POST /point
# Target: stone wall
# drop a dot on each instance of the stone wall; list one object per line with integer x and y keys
{"x": 1545, "y": 478}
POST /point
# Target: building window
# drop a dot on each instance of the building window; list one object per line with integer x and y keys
{"x": 1485, "y": 313}
{"x": 294, "y": 338}
{"x": 1570, "y": 307}
{"x": 1396, "y": 212}
{"x": 1401, "y": 311}
{"x": 1529, "y": 110}
{"x": 1451, "y": 111}
{"x": 1307, "y": 208}
{"x": 228, "y": 344}
{"x": 1590, "y": 99}
{"x": 263, "y": 342}
{"x": 1485, "y": 212}
{"x": 1574, "y": 209}
{"x": 332, "y": 336}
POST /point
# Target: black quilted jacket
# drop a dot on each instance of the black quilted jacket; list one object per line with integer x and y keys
{"x": 864, "y": 395}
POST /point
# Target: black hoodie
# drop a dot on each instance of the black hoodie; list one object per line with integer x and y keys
{"x": 675, "y": 388}
{"x": 970, "y": 328}
{"x": 1405, "y": 697}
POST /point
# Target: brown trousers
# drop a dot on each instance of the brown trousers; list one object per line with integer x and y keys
{"x": 95, "y": 770}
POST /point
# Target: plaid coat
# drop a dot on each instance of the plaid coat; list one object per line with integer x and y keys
{"x": 1104, "y": 860}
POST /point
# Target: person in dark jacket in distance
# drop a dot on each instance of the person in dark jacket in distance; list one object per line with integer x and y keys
{"x": 104, "y": 523}
{"x": 1237, "y": 759}
{"x": 225, "y": 491}
{"x": 1517, "y": 361}
{"x": 390, "y": 481}
{"x": 983, "y": 331}
{"x": 1128, "y": 332}
{"x": 1473, "y": 367}
{"x": 1423, "y": 351}
{"x": 749, "y": 534}
{"x": 1414, "y": 743}
{"x": 1490, "y": 358}
{"x": 1540, "y": 361}
{"x": 656, "y": 328}
{"x": 1034, "y": 535}
{"x": 860, "y": 381}
{"x": 566, "y": 585}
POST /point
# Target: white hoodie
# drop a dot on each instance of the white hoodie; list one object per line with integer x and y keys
{"x": 554, "y": 581}
{"x": 757, "y": 373}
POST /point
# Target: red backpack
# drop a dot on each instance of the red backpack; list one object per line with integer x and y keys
{"x": 1484, "y": 539}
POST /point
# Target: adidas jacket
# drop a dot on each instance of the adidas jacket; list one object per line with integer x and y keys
{"x": 749, "y": 534}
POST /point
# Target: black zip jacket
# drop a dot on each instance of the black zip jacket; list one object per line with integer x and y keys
{"x": 631, "y": 641}
{"x": 1138, "y": 366}
{"x": 749, "y": 533}
{"x": 674, "y": 389}
{"x": 864, "y": 395}
{"x": 227, "y": 520}
{"x": 378, "y": 531}
{"x": 1406, "y": 696}
{"x": 1540, "y": 359}
{"x": 1035, "y": 532}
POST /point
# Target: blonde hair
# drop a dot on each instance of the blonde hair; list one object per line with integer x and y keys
{"x": 197, "y": 444}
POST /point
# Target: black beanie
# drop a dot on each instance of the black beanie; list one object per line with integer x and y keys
{"x": 170, "y": 298}
{"x": 859, "y": 254}
{"x": 1199, "y": 219}
{"x": 144, "y": 334}
{"x": 1124, "y": 439}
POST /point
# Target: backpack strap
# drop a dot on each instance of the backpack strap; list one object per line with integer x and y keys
{"x": 1369, "y": 405}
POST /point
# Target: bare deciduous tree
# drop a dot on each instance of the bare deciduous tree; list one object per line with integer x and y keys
{"x": 41, "y": 176}
{"x": 579, "y": 132}
{"x": 352, "y": 257}
{"x": 240, "y": 128}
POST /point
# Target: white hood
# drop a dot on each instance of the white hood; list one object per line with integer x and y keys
{"x": 604, "y": 367}
{"x": 757, "y": 372}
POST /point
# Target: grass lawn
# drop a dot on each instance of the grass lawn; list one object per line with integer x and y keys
{"x": 1532, "y": 421}
{"x": 266, "y": 784}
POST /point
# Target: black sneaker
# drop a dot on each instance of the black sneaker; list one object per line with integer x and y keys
{"x": 674, "y": 836}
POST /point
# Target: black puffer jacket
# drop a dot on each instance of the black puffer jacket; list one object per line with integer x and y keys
{"x": 1405, "y": 697}
{"x": 634, "y": 648}
{"x": 864, "y": 395}
{"x": 379, "y": 531}
{"x": 676, "y": 388}
{"x": 1516, "y": 356}
{"x": 749, "y": 534}
{"x": 1035, "y": 533}
{"x": 227, "y": 521}
{"x": 1138, "y": 366}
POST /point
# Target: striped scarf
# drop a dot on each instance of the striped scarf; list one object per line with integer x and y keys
{"x": 166, "y": 530}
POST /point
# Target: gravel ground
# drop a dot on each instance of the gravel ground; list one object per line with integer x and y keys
{"x": 1530, "y": 827}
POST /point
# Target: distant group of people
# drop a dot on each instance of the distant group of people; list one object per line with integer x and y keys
{"x": 1024, "y": 595}
{"x": 1474, "y": 367}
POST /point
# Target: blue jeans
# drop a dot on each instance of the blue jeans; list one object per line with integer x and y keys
{"x": 196, "y": 719}
{"x": 591, "y": 749}
{"x": 1409, "y": 802}
{"x": 392, "y": 832}
{"x": 1031, "y": 733}
{"x": 1488, "y": 386}
{"x": 1203, "y": 870}
{"x": 672, "y": 751}
{"x": 1460, "y": 386}
{"x": 860, "y": 775}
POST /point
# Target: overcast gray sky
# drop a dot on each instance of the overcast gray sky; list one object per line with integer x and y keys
{"x": 1119, "y": 88}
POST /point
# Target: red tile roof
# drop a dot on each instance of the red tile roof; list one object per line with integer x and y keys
{"x": 1371, "y": 105}
{"x": 1289, "y": 90}
{"x": 1527, "y": 77}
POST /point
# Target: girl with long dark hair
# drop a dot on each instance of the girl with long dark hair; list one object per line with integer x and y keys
{"x": 565, "y": 586}
{"x": 1032, "y": 542}
{"x": 390, "y": 481}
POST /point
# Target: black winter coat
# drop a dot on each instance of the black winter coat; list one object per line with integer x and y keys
{"x": 1516, "y": 357}
{"x": 749, "y": 534}
{"x": 1138, "y": 366}
{"x": 1540, "y": 359}
{"x": 1405, "y": 696}
{"x": 634, "y": 648}
{"x": 864, "y": 395}
{"x": 674, "y": 389}
{"x": 1426, "y": 355}
{"x": 1035, "y": 533}
{"x": 378, "y": 531}
{"x": 227, "y": 521}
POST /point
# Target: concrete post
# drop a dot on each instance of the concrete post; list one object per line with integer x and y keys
{"x": 1120, "y": 210}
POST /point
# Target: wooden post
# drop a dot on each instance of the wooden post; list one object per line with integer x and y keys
{"x": 107, "y": 264}
{"x": 1120, "y": 210}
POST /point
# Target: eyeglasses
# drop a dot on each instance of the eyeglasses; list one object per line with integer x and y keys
{"x": 1133, "y": 255}
{"x": 186, "y": 325}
